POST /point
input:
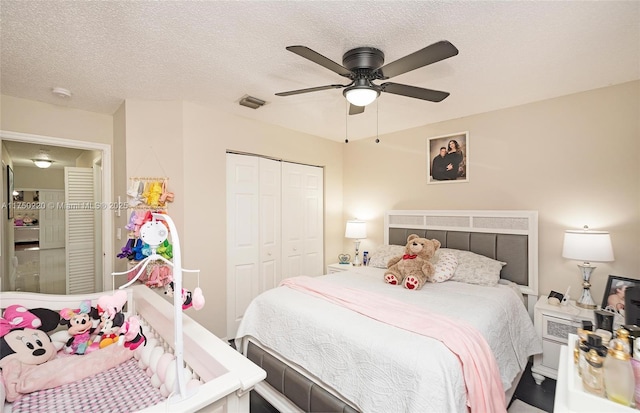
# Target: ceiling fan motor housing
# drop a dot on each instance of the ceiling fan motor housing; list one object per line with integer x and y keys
{"x": 363, "y": 58}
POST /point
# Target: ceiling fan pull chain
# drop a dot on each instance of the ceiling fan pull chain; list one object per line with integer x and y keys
{"x": 346, "y": 125}
{"x": 377, "y": 120}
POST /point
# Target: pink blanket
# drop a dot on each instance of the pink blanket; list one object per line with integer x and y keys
{"x": 20, "y": 378}
{"x": 479, "y": 367}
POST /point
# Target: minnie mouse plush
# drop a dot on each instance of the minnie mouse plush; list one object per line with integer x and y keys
{"x": 23, "y": 335}
{"x": 80, "y": 328}
{"x": 195, "y": 300}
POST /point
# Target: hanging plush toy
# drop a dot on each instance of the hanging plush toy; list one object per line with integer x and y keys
{"x": 23, "y": 335}
{"x": 131, "y": 330}
{"x": 195, "y": 300}
{"x": 80, "y": 327}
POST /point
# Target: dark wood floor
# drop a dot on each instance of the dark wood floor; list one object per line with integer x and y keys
{"x": 528, "y": 391}
{"x": 540, "y": 396}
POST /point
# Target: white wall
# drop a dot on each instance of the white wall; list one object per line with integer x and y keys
{"x": 575, "y": 159}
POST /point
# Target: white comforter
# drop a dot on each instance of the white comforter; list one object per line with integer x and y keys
{"x": 381, "y": 368}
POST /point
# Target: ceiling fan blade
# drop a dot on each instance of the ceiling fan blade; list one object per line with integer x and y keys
{"x": 355, "y": 110}
{"x": 316, "y": 57}
{"x": 414, "y": 92}
{"x": 311, "y": 89}
{"x": 430, "y": 54}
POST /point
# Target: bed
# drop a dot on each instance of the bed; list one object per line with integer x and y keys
{"x": 181, "y": 366}
{"x": 323, "y": 357}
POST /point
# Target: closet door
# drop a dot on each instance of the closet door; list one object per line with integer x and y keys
{"x": 270, "y": 222}
{"x": 303, "y": 220}
{"x": 243, "y": 242}
{"x": 79, "y": 239}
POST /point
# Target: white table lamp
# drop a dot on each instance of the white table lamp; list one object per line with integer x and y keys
{"x": 356, "y": 230}
{"x": 585, "y": 245}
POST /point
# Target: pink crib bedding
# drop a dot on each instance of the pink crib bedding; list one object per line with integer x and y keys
{"x": 21, "y": 379}
{"x": 124, "y": 388}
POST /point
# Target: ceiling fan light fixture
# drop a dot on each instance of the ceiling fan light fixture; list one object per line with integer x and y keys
{"x": 361, "y": 95}
{"x": 42, "y": 163}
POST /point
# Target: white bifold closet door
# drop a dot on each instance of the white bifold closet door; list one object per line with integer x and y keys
{"x": 257, "y": 223}
{"x": 303, "y": 220}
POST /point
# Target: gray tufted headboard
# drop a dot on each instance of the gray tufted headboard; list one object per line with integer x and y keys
{"x": 509, "y": 236}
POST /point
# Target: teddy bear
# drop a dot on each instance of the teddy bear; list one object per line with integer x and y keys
{"x": 414, "y": 268}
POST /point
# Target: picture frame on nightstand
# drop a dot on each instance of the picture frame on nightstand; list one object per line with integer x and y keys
{"x": 614, "y": 293}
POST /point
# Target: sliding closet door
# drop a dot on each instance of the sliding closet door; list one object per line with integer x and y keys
{"x": 303, "y": 220}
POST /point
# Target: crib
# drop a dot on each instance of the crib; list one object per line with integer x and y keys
{"x": 225, "y": 376}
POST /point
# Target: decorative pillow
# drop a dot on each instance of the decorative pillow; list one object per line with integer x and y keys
{"x": 381, "y": 255}
{"x": 446, "y": 264}
{"x": 475, "y": 268}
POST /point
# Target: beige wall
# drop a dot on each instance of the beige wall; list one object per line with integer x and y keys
{"x": 37, "y": 118}
{"x": 574, "y": 159}
{"x": 6, "y": 225}
{"x": 189, "y": 144}
{"x": 120, "y": 182}
{"x": 27, "y": 177}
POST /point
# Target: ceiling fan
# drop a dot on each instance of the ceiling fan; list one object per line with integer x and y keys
{"x": 363, "y": 65}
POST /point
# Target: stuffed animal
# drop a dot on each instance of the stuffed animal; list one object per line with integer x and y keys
{"x": 111, "y": 317}
{"x": 195, "y": 300}
{"x": 23, "y": 335}
{"x": 413, "y": 269}
{"x": 132, "y": 332}
{"x": 80, "y": 327}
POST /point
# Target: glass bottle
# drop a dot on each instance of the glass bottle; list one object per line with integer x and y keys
{"x": 623, "y": 335}
{"x": 618, "y": 373}
{"x": 592, "y": 374}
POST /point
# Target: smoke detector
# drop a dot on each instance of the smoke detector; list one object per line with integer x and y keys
{"x": 61, "y": 92}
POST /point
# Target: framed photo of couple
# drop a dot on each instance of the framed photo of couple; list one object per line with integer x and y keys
{"x": 448, "y": 158}
{"x": 614, "y": 293}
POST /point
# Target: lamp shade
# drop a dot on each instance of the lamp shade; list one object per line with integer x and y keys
{"x": 356, "y": 229}
{"x": 587, "y": 246}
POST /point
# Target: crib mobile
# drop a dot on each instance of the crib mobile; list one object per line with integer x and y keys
{"x": 154, "y": 234}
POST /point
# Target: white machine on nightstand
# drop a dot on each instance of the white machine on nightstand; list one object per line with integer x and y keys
{"x": 554, "y": 323}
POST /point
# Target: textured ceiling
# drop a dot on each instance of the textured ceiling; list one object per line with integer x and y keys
{"x": 214, "y": 53}
{"x": 23, "y": 154}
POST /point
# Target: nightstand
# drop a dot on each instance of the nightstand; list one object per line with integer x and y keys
{"x": 338, "y": 267}
{"x": 554, "y": 323}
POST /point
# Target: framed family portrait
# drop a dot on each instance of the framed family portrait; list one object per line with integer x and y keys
{"x": 614, "y": 293}
{"x": 448, "y": 158}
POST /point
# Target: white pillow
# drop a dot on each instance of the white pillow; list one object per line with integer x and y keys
{"x": 476, "y": 269}
{"x": 446, "y": 264}
{"x": 381, "y": 255}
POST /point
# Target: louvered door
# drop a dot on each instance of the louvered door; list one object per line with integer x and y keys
{"x": 80, "y": 218}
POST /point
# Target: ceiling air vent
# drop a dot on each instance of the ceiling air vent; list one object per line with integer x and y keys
{"x": 251, "y": 102}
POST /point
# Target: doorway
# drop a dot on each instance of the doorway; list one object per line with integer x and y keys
{"x": 96, "y": 158}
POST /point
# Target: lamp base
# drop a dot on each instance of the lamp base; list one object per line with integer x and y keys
{"x": 586, "y": 301}
{"x": 356, "y": 260}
